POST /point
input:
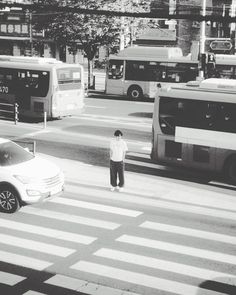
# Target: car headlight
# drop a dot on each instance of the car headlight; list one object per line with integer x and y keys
{"x": 25, "y": 179}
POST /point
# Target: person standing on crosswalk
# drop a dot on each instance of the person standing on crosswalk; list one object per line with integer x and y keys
{"x": 118, "y": 149}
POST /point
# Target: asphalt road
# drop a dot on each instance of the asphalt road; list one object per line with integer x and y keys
{"x": 168, "y": 233}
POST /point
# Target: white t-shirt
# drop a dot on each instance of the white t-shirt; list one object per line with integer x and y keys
{"x": 118, "y": 148}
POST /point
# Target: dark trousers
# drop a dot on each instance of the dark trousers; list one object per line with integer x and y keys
{"x": 117, "y": 171}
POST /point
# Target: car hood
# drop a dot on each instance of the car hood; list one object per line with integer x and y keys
{"x": 36, "y": 168}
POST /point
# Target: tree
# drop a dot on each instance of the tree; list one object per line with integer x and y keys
{"x": 81, "y": 30}
{"x": 85, "y": 31}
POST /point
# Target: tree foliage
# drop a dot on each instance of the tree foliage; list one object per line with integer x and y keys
{"x": 86, "y": 31}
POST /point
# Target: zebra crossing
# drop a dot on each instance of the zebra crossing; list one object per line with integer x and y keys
{"x": 99, "y": 242}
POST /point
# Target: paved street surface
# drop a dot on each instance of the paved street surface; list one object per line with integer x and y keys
{"x": 163, "y": 235}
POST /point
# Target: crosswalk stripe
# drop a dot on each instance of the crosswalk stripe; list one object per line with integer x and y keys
{"x": 24, "y": 261}
{"x": 84, "y": 286}
{"x": 185, "y": 250}
{"x": 30, "y": 292}
{"x": 70, "y": 218}
{"x": 190, "y": 232}
{"x": 10, "y": 279}
{"x": 48, "y": 232}
{"x": 161, "y": 264}
{"x": 97, "y": 207}
{"x": 138, "y": 278}
{"x": 176, "y": 206}
{"x": 35, "y": 246}
{"x": 218, "y": 201}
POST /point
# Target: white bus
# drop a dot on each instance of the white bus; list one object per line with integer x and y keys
{"x": 194, "y": 126}
{"x": 136, "y": 70}
{"x": 41, "y": 85}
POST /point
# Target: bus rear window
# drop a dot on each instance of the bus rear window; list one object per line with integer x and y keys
{"x": 69, "y": 78}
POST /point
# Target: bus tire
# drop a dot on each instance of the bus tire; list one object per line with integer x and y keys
{"x": 9, "y": 199}
{"x": 230, "y": 170}
{"x": 135, "y": 92}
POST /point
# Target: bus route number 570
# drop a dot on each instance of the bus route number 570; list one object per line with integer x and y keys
{"x": 4, "y": 89}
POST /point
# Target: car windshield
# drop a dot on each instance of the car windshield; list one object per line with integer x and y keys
{"x": 12, "y": 154}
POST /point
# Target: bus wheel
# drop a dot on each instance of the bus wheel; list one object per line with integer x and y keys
{"x": 135, "y": 92}
{"x": 9, "y": 202}
{"x": 230, "y": 170}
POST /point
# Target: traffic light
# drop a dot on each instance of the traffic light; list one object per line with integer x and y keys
{"x": 203, "y": 61}
{"x": 211, "y": 58}
{"x": 211, "y": 61}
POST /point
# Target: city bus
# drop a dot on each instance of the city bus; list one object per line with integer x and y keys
{"x": 135, "y": 71}
{"x": 41, "y": 86}
{"x": 194, "y": 126}
{"x": 225, "y": 66}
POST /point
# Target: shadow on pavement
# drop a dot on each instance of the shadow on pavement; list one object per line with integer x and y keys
{"x": 224, "y": 285}
{"x": 142, "y": 115}
{"x": 34, "y": 281}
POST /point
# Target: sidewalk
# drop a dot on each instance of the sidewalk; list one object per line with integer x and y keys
{"x": 151, "y": 187}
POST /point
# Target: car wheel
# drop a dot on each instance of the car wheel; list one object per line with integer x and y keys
{"x": 135, "y": 92}
{"x": 9, "y": 201}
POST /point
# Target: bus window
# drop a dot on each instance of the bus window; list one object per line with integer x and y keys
{"x": 225, "y": 71}
{"x": 7, "y": 77}
{"x": 136, "y": 70}
{"x": 167, "y": 115}
{"x": 115, "y": 69}
{"x": 180, "y": 72}
{"x": 69, "y": 78}
{"x": 34, "y": 83}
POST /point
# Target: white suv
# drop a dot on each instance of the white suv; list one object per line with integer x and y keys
{"x": 25, "y": 178}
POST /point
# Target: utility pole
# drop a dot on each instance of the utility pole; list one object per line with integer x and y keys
{"x": 31, "y": 33}
{"x": 202, "y": 38}
{"x": 122, "y": 27}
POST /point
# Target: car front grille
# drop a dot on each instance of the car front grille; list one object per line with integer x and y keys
{"x": 52, "y": 181}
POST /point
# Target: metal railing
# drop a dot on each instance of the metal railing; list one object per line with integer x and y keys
{"x": 9, "y": 111}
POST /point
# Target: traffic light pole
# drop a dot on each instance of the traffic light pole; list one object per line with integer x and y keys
{"x": 202, "y": 38}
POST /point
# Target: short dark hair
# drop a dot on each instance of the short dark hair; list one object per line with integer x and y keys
{"x": 118, "y": 133}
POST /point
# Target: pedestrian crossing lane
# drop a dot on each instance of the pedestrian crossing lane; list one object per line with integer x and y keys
{"x": 127, "y": 258}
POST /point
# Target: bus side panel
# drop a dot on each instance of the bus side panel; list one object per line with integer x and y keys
{"x": 171, "y": 152}
{"x": 115, "y": 86}
{"x": 167, "y": 151}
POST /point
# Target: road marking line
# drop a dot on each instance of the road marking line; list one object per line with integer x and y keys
{"x": 96, "y": 207}
{"x": 84, "y": 286}
{"x": 10, "y": 279}
{"x": 52, "y": 233}
{"x": 165, "y": 265}
{"x": 175, "y": 248}
{"x": 95, "y": 107}
{"x": 30, "y": 292}
{"x": 24, "y": 261}
{"x": 137, "y": 278}
{"x": 216, "y": 200}
{"x": 35, "y": 246}
{"x": 189, "y": 232}
{"x": 176, "y": 206}
{"x": 70, "y": 218}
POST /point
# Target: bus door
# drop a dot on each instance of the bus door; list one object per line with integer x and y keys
{"x": 186, "y": 138}
{"x": 115, "y": 77}
{"x": 196, "y": 129}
